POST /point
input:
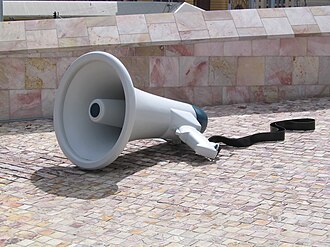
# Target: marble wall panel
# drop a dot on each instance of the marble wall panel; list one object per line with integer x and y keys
{"x": 291, "y": 92}
{"x": 73, "y": 42}
{"x": 184, "y": 94}
{"x": 163, "y": 18}
{"x": 305, "y": 70}
{"x": 73, "y": 27}
{"x": 270, "y": 94}
{"x": 238, "y": 48}
{"x": 293, "y": 47}
{"x": 164, "y": 72}
{"x": 267, "y": 94}
{"x": 42, "y": 39}
{"x": 103, "y": 35}
{"x": 132, "y": 29}
{"x": 121, "y": 51}
{"x": 209, "y": 49}
{"x": 40, "y": 25}
{"x": 251, "y": 71}
{"x": 317, "y": 91}
{"x": 47, "y": 102}
{"x": 224, "y": 29}
{"x": 4, "y": 104}
{"x": 256, "y": 94}
{"x": 271, "y": 13}
{"x": 25, "y": 103}
{"x": 278, "y": 27}
{"x": 278, "y": 70}
{"x": 100, "y": 21}
{"x": 190, "y": 21}
{"x": 223, "y": 71}
{"x": 320, "y": 10}
{"x": 138, "y": 68}
{"x": 299, "y": 16}
{"x": 203, "y": 96}
{"x": 194, "y": 35}
{"x": 324, "y": 70}
{"x": 246, "y": 18}
{"x": 194, "y": 71}
{"x": 12, "y": 73}
{"x": 61, "y": 66}
{"x": 12, "y": 46}
{"x": 164, "y": 32}
{"x": 251, "y": 33}
{"x": 139, "y": 38}
{"x": 217, "y": 15}
{"x": 266, "y": 47}
{"x": 305, "y": 30}
{"x": 235, "y": 95}
{"x": 49, "y": 54}
{"x": 323, "y": 23}
{"x": 216, "y": 95}
{"x": 318, "y": 46}
{"x": 12, "y": 31}
{"x": 273, "y": 54}
{"x": 179, "y": 50}
{"x": 157, "y": 50}
{"x": 131, "y": 24}
{"x": 40, "y": 73}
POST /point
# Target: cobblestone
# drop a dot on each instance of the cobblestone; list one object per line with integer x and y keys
{"x": 157, "y": 194}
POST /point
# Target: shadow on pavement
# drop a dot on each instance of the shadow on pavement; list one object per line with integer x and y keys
{"x": 70, "y": 181}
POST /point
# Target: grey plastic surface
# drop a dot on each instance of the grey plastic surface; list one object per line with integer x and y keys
{"x": 97, "y": 111}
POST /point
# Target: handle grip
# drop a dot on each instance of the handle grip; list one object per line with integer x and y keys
{"x": 199, "y": 143}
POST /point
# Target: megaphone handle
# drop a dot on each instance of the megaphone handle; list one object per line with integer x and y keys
{"x": 198, "y": 142}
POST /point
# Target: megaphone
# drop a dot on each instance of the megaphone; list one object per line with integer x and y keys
{"x": 97, "y": 111}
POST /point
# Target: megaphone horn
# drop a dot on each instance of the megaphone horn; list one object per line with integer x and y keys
{"x": 97, "y": 111}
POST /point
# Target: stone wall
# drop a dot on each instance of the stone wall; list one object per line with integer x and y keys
{"x": 205, "y": 58}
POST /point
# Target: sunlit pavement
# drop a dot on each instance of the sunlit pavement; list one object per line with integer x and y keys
{"x": 157, "y": 194}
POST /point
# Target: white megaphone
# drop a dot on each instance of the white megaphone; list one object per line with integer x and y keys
{"x": 98, "y": 110}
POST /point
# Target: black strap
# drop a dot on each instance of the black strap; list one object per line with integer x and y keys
{"x": 277, "y": 133}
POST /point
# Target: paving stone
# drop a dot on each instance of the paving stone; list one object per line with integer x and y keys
{"x": 156, "y": 194}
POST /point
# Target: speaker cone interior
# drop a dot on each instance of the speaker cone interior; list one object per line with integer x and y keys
{"x": 93, "y": 77}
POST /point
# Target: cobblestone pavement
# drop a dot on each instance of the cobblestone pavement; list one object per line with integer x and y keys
{"x": 157, "y": 194}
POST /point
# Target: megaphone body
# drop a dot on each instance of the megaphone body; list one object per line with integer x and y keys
{"x": 97, "y": 111}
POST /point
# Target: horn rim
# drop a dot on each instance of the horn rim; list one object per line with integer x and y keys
{"x": 130, "y": 111}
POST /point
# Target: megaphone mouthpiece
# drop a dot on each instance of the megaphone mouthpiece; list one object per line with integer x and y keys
{"x": 107, "y": 111}
{"x": 97, "y": 111}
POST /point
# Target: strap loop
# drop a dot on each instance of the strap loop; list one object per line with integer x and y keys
{"x": 277, "y": 133}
